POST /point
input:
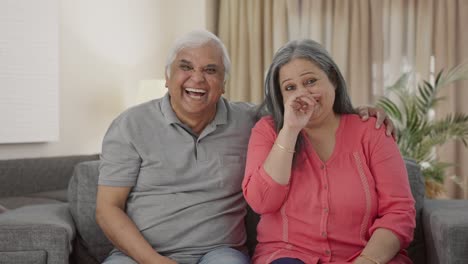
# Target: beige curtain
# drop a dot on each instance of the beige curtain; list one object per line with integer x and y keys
{"x": 373, "y": 42}
{"x": 252, "y": 30}
{"x": 450, "y": 44}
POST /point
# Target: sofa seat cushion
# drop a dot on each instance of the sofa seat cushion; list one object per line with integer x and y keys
{"x": 56, "y": 214}
{"x": 14, "y": 202}
{"x": 49, "y": 197}
{"x": 446, "y": 231}
{"x": 47, "y": 227}
{"x": 59, "y": 195}
{"x": 24, "y": 257}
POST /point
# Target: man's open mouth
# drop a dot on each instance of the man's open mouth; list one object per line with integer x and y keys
{"x": 196, "y": 93}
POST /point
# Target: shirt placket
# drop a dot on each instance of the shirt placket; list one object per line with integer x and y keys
{"x": 326, "y": 251}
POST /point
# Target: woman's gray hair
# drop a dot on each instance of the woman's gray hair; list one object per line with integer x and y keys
{"x": 314, "y": 52}
{"x": 196, "y": 39}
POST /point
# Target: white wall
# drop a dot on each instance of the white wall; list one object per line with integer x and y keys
{"x": 106, "y": 48}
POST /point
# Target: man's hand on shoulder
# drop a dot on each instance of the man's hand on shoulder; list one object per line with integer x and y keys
{"x": 382, "y": 118}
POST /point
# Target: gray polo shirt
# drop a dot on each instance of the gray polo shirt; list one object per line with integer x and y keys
{"x": 186, "y": 196}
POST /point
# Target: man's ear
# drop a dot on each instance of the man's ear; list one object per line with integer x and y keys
{"x": 224, "y": 86}
{"x": 167, "y": 78}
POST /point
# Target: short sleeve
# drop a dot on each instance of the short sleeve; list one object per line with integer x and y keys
{"x": 120, "y": 162}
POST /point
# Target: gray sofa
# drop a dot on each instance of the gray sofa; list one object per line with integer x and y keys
{"x": 51, "y": 202}
{"x": 37, "y": 226}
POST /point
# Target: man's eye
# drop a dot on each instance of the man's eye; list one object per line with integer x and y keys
{"x": 210, "y": 71}
{"x": 185, "y": 67}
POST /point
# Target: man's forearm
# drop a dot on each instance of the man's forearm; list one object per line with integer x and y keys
{"x": 124, "y": 234}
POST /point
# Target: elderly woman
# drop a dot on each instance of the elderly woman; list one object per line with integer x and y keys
{"x": 329, "y": 187}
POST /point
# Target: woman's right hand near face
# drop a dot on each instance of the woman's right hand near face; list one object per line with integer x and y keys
{"x": 298, "y": 109}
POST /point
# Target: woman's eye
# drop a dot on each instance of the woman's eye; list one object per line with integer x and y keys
{"x": 311, "y": 81}
{"x": 289, "y": 88}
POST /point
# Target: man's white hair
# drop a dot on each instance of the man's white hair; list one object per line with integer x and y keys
{"x": 196, "y": 39}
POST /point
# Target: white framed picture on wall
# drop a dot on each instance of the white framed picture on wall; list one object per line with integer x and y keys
{"x": 29, "y": 71}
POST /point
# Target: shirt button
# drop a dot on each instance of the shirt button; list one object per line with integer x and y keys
{"x": 325, "y": 186}
{"x": 325, "y": 209}
{"x": 322, "y": 167}
{"x": 324, "y": 234}
{"x": 327, "y": 252}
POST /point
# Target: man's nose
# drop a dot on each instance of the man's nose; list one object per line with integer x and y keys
{"x": 198, "y": 76}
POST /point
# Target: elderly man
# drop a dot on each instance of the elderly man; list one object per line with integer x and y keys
{"x": 171, "y": 169}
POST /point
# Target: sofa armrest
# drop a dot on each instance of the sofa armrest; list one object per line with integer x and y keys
{"x": 445, "y": 225}
{"x": 82, "y": 191}
{"x": 32, "y": 232}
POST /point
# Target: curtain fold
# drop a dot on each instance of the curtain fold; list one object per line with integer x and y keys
{"x": 251, "y": 31}
{"x": 424, "y": 34}
{"x": 359, "y": 54}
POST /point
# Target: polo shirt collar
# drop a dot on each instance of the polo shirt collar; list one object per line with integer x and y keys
{"x": 171, "y": 118}
{"x": 221, "y": 112}
{"x": 167, "y": 111}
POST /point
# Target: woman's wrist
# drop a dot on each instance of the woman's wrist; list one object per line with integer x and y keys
{"x": 291, "y": 132}
{"x": 367, "y": 259}
{"x": 287, "y": 138}
{"x": 360, "y": 260}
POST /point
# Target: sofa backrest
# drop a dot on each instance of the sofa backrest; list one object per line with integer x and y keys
{"x": 32, "y": 175}
{"x": 82, "y": 192}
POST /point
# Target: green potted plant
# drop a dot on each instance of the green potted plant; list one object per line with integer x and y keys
{"x": 411, "y": 107}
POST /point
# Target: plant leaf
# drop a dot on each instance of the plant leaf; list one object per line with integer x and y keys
{"x": 419, "y": 133}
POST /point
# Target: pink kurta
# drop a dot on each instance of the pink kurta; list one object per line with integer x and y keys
{"x": 329, "y": 210}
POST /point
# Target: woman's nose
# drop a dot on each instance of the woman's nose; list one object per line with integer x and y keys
{"x": 306, "y": 88}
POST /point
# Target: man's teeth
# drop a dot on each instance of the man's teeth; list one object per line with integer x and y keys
{"x": 195, "y": 90}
